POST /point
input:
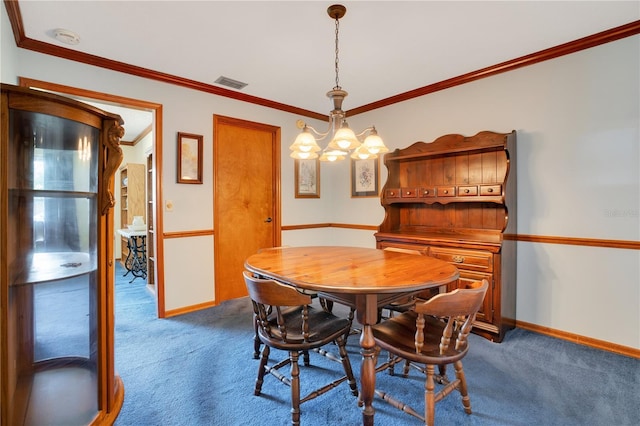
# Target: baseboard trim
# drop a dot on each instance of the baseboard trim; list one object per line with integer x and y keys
{"x": 581, "y": 340}
{"x": 187, "y": 309}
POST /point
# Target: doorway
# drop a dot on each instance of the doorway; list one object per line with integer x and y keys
{"x": 246, "y": 163}
{"x": 156, "y": 149}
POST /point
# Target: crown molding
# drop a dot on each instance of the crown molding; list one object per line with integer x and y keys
{"x": 597, "y": 39}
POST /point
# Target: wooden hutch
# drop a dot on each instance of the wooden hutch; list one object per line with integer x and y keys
{"x": 58, "y": 158}
{"x": 132, "y": 200}
{"x": 455, "y": 199}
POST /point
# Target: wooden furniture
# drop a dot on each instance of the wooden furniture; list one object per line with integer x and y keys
{"x": 132, "y": 201}
{"x": 287, "y": 322}
{"x": 455, "y": 199}
{"x": 58, "y": 159}
{"x": 407, "y": 303}
{"x": 365, "y": 279}
{"x": 151, "y": 230}
{"x": 136, "y": 261}
{"x": 327, "y": 305}
{"x": 434, "y": 333}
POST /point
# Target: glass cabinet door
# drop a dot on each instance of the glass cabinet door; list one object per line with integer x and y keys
{"x": 55, "y": 309}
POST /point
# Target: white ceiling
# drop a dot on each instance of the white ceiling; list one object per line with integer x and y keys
{"x": 136, "y": 121}
{"x": 285, "y": 50}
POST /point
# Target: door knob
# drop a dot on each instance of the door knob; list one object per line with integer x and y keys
{"x": 268, "y": 220}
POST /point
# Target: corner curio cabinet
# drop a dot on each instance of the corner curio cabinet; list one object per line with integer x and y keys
{"x": 455, "y": 199}
{"x": 58, "y": 158}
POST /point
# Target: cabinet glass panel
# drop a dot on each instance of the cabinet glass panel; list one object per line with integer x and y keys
{"x": 53, "y": 301}
{"x": 57, "y": 154}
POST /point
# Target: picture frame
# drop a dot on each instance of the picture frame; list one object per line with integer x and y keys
{"x": 307, "y": 178}
{"x": 365, "y": 177}
{"x": 189, "y": 158}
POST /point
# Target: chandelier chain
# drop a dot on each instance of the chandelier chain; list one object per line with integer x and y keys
{"x": 344, "y": 141}
{"x": 337, "y": 51}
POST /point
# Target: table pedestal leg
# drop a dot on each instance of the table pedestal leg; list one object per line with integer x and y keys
{"x": 367, "y": 315}
{"x": 367, "y": 374}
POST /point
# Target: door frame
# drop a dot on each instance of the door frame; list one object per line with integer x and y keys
{"x": 276, "y": 179}
{"x": 157, "y": 161}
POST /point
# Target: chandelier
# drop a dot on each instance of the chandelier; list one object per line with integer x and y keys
{"x": 343, "y": 139}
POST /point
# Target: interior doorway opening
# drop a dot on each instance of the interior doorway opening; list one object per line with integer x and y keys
{"x": 147, "y": 118}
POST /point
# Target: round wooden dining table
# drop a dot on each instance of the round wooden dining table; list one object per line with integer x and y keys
{"x": 363, "y": 278}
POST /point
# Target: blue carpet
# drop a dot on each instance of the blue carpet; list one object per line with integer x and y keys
{"x": 198, "y": 369}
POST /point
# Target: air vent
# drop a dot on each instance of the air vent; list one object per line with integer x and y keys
{"x": 229, "y": 82}
{"x": 65, "y": 36}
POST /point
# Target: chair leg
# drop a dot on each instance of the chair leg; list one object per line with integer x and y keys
{"x": 441, "y": 377}
{"x": 429, "y": 396}
{"x": 295, "y": 388}
{"x": 391, "y": 366}
{"x": 327, "y": 305}
{"x": 407, "y": 367}
{"x": 346, "y": 364}
{"x": 256, "y": 341}
{"x": 261, "y": 370}
{"x": 462, "y": 387}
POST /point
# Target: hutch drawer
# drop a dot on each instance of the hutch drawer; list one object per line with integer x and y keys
{"x": 427, "y": 192}
{"x": 392, "y": 193}
{"x": 490, "y": 189}
{"x": 467, "y": 259}
{"x": 409, "y": 192}
{"x": 446, "y": 191}
{"x": 467, "y": 191}
{"x": 408, "y": 246}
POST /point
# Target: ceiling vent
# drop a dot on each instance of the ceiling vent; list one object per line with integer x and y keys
{"x": 229, "y": 82}
{"x": 65, "y": 36}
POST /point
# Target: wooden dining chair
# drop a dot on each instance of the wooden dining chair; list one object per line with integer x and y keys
{"x": 434, "y": 333}
{"x": 326, "y": 305}
{"x": 287, "y": 322}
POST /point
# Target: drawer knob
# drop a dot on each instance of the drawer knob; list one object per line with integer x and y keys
{"x": 490, "y": 190}
{"x": 466, "y": 191}
{"x": 458, "y": 259}
{"x": 426, "y": 192}
{"x": 446, "y": 191}
{"x": 408, "y": 192}
{"x": 392, "y": 193}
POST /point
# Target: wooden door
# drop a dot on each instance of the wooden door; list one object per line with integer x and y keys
{"x": 246, "y": 166}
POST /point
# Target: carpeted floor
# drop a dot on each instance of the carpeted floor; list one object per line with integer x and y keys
{"x": 198, "y": 369}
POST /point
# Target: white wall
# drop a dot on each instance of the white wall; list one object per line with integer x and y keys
{"x": 577, "y": 122}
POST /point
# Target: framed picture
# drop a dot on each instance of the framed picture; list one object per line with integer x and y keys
{"x": 307, "y": 176}
{"x": 365, "y": 176}
{"x": 189, "y": 158}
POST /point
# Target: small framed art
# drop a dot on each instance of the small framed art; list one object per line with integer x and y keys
{"x": 365, "y": 176}
{"x": 189, "y": 158}
{"x": 307, "y": 176}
